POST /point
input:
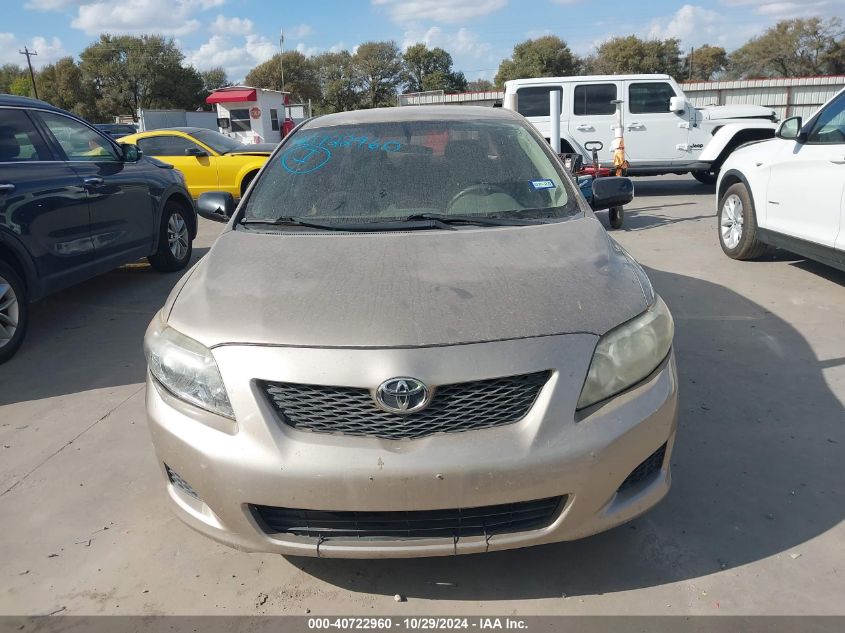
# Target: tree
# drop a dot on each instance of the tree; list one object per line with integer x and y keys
{"x": 430, "y": 69}
{"x": 21, "y": 86}
{"x": 131, "y": 72}
{"x": 378, "y": 68}
{"x": 299, "y": 74}
{"x": 214, "y": 78}
{"x": 8, "y": 74}
{"x": 339, "y": 87}
{"x": 547, "y": 56}
{"x": 620, "y": 55}
{"x": 706, "y": 62}
{"x": 793, "y": 48}
{"x": 480, "y": 85}
{"x": 63, "y": 85}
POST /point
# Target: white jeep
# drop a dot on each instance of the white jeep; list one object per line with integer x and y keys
{"x": 663, "y": 132}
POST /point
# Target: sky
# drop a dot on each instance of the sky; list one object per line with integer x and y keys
{"x": 239, "y": 34}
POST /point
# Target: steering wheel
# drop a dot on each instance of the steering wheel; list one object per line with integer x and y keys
{"x": 482, "y": 186}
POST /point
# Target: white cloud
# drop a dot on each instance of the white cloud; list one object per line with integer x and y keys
{"x": 780, "y": 9}
{"x": 693, "y": 25}
{"x": 299, "y": 31}
{"x": 236, "y": 56}
{"x": 235, "y": 26}
{"x": 52, "y": 5}
{"x": 168, "y": 17}
{"x": 463, "y": 42}
{"x": 48, "y": 50}
{"x": 308, "y": 51}
{"x": 405, "y": 11}
{"x": 469, "y": 53}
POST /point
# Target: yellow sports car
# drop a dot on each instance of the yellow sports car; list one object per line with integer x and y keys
{"x": 209, "y": 160}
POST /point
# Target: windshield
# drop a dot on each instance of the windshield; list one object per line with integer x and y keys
{"x": 377, "y": 172}
{"x": 217, "y": 141}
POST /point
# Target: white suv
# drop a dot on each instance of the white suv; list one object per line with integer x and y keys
{"x": 789, "y": 191}
{"x": 663, "y": 132}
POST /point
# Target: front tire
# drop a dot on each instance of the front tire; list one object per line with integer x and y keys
{"x": 14, "y": 312}
{"x": 738, "y": 234}
{"x": 706, "y": 177}
{"x": 174, "y": 241}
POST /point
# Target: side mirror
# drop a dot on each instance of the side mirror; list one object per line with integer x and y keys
{"x": 131, "y": 153}
{"x": 677, "y": 104}
{"x": 195, "y": 151}
{"x": 790, "y": 130}
{"x": 611, "y": 191}
{"x": 218, "y": 206}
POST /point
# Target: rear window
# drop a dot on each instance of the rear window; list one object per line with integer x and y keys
{"x": 391, "y": 170}
{"x": 534, "y": 101}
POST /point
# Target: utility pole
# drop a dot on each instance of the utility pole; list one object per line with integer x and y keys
{"x": 29, "y": 54}
{"x": 281, "y": 55}
{"x": 282, "y": 68}
{"x": 691, "y": 53}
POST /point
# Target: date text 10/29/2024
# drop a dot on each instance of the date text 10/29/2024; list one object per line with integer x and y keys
{"x": 420, "y": 623}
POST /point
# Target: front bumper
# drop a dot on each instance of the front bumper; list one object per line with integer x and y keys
{"x": 553, "y": 451}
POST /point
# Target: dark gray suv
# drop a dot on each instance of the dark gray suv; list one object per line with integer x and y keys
{"x": 74, "y": 204}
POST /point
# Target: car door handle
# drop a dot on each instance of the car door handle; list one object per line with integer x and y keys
{"x": 636, "y": 126}
{"x": 93, "y": 181}
{"x": 7, "y": 188}
{"x": 585, "y": 128}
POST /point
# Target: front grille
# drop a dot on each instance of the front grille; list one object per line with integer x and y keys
{"x": 652, "y": 464}
{"x": 486, "y": 520}
{"x": 466, "y": 406}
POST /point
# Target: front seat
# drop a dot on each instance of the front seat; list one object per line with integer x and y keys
{"x": 10, "y": 149}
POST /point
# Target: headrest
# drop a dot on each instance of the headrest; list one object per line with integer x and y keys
{"x": 9, "y": 146}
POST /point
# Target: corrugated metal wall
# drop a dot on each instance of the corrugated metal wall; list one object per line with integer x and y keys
{"x": 792, "y": 96}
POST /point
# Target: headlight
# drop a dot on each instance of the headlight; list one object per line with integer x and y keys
{"x": 186, "y": 369}
{"x": 628, "y": 353}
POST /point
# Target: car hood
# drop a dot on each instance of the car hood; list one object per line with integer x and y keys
{"x": 716, "y": 113}
{"x": 410, "y": 289}
{"x": 258, "y": 149}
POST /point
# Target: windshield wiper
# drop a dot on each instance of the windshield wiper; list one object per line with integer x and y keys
{"x": 359, "y": 227}
{"x": 290, "y": 221}
{"x": 481, "y": 220}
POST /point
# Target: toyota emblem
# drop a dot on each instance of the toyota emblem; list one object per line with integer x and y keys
{"x": 402, "y": 395}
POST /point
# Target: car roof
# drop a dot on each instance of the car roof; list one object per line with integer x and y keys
{"x": 411, "y": 113}
{"x": 542, "y": 81}
{"x": 27, "y": 102}
{"x": 184, "y": 130}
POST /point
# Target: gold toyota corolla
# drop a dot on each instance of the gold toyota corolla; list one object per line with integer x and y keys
{"x": 413, "y": 338}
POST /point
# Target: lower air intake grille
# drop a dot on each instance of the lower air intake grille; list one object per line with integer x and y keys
{"x": 481, "y": 404}
{"x": 508, "y": 517}
{"x": 180, "y": 483}
{"x": 652, "y": 464}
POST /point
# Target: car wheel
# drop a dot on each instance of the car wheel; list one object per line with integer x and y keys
{"x": 14, "y": 312}
{"x": 246, "y": 182}
{"x": 738, "y": 224}
{"x": 706, "y": 177}
{"x": 174, "y": 240}
{"x": 616, "y": 217}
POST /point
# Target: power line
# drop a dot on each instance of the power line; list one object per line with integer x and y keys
{"x": 29, "y": 54}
